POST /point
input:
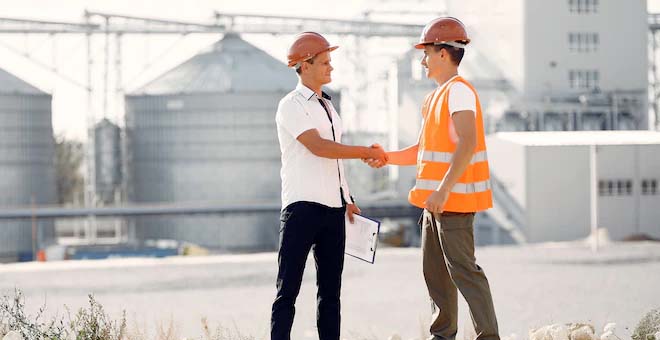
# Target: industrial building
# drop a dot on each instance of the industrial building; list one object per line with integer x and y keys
{"x": 205, "y": 131}
{"x": 566, "y": 61}
{"x": 543, "y": 182}
{"x": 27, "y": 163}
{"x": 534, "y": 74}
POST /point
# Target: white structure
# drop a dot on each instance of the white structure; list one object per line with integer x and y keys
{"x": 577, "y": 64}
{"x": 547, "y": 179}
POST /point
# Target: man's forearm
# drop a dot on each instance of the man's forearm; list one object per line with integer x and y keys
{"x": 407, "y": 156}
{"x": 329, "y": 149}
{"x": 460, "y": 161}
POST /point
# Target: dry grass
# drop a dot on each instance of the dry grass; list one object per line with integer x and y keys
{"x": 92, "y": 323}
{"x": 223, "y": 333}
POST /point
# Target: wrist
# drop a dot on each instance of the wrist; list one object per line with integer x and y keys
{"x": 370, "y": 153}
{"x": 444, "y": 187}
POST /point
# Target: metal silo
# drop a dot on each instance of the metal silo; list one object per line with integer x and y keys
{"x": 205, "y": 131}
{"x": 27, "y": 162}
{"x": 108, "y": 160}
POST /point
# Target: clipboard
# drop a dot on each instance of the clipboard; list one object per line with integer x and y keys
{"x": 362, "y": 238}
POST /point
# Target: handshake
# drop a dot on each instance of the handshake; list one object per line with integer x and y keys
{"x": 376, "y": 157}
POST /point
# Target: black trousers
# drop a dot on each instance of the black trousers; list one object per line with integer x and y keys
{"x": 306, "y": 226}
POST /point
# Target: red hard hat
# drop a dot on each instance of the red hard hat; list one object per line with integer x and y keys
{"x": 442, "y": 31}
{"x": 306, "y": 46}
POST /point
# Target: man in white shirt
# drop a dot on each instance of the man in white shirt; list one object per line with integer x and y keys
{"x": 315, "y": 194}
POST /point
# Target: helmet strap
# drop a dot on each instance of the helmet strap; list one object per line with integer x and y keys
{"x": 451, "y": 43}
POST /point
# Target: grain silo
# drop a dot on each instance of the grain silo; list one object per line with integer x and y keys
{"x": 205, "y": 131}
{"x": 107, "y": 137}
{"x": 27, "y": 163}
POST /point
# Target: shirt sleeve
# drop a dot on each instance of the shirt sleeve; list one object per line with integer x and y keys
{"x": 461, "y": 98}
{"x": 293, "y": 117}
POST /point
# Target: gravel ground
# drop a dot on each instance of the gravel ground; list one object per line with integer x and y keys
{"x": 532, "y": 286}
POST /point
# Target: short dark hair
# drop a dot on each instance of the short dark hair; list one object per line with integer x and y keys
{"x": 455, "y": 53}
{"x": 311, "y": 61}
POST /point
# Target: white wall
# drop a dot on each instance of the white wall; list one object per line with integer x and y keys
{"x": 552, "y": 184}
{"x": 618, "y": 213}
{"x": 507, "y": 162}
{"x": 621, "y": 57}
{"x": 624, "y": 215}
{"x": 649, "y": 165}
{"x": 558, "y": 193}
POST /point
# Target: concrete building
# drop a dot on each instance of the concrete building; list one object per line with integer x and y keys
{"x": 577, "y": 64}
{"x": 542, "y": 182}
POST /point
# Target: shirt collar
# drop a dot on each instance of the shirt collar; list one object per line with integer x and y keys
{"x": 308, "y": 93}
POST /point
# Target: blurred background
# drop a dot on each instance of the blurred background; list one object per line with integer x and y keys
{"x": 147, "y": 128}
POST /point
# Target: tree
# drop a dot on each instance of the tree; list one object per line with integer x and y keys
{"x": 69, "y": 155}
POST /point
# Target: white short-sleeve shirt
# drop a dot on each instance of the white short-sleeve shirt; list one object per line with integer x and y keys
{"x": 305, "y": 176}
{"x": 461, "y": 98}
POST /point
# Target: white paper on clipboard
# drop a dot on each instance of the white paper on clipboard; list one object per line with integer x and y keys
{"x": 362, "y": 238}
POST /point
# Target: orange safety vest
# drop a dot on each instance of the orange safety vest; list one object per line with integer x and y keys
{"x": 437, "y": 144}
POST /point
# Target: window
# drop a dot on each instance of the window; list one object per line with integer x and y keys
{"x": 618, "y": 187}
{"x": 649, "y": 187}
{"x": 603, "y": 189}
{"x": 583, "y": 42}
{"x": 583, "y": 79}
{"x": 583, "y": 6}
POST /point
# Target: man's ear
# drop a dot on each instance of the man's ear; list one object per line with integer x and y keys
{"x": 443, "y": 54}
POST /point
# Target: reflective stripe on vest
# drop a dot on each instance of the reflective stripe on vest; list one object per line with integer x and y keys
{"x": 445, "y": 157}
{"x": 459, "y": 188}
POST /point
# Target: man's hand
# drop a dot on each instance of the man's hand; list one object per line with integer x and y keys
{"x": 350, "y": 210}
{"x": 379, "y": 157}
{"x": 436, "y": 202}
{"x": 377, "y": 153}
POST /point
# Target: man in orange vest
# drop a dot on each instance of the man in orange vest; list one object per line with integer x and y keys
{"x": 315, "y": 194}
{"x": 452, "y": 184}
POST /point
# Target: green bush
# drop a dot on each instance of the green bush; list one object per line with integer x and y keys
{"x": 648, "y": 326}
{"x": 93, "y": 324}
{"x": 13, "y": 318}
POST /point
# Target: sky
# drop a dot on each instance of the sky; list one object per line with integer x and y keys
{"x": 144, "y": 60}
